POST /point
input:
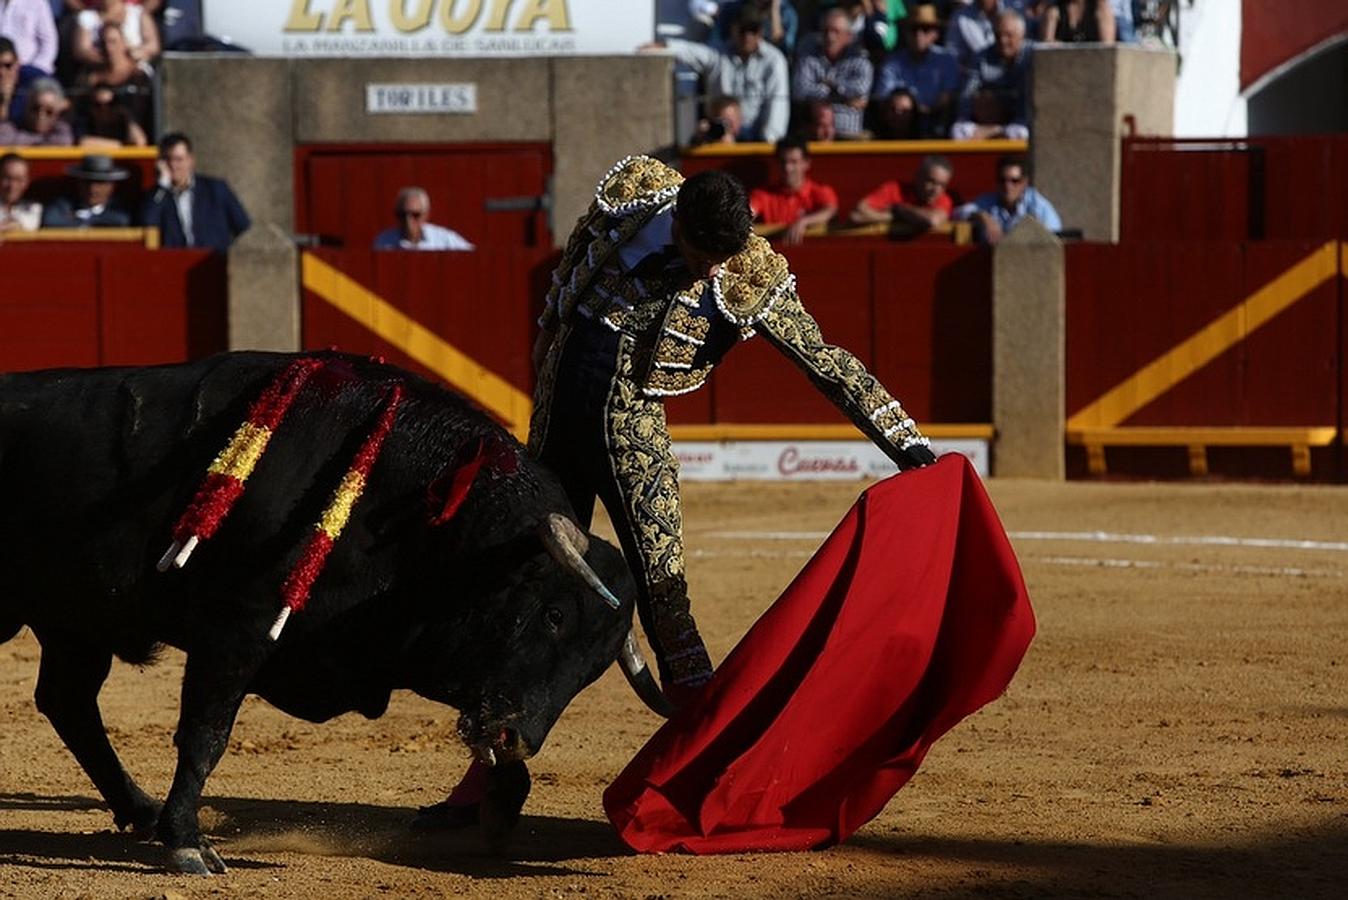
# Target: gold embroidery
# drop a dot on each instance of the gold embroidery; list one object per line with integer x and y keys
{"x": 746, "y": 284}
{"x": 685, "y": 322}
{"x": 671, "y": 382}
{"x": 647, "y": 472}
{"x": 636, "y": 183}
{"x": 672, "y": 350}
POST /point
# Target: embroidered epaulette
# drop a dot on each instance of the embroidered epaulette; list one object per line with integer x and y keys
{"x": 636, "y": 183}
{"x": 751, "y": 281}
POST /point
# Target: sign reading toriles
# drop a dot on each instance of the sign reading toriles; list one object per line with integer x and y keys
{"x": 421, "y": 98}
{"x": 431, "y": 27}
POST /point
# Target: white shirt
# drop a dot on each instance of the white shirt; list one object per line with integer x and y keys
{"x": 27, "y": 216}
{"x": 433, "y": 237}
{"x": 183, "y": 200}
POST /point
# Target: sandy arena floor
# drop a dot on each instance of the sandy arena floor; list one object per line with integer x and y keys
{"x": 1179, "y": 728}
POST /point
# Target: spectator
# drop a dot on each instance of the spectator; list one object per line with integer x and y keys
{"x": 995, "y": 102}
{"x": 138, "y": 29}
{"x": 414, "y": 230}
{"x": 919, "y": 82}
{"x": 922, "y": 206}
{"x": 93, "y": 205}
{"x": 114, "y": 47}
{"x": 835, "y": 69}
{"x": 42, "y": 124}
{"x": 972, "y": 28}
{"x": 724, "y": 120}
{"x": 30, "y": 25}
{"x": 755, "y": 72}
{"x": 103, "y": 121}
{"x": 995, "y": 213}
{"x": 16, "y": 214}
{"x": 14, "y": 80}
{"x": 794, "y": 200}
{"x": 191, "y": 210}
{"x": 875, "y": 23}
{"x": 820, "y": 126}
{"x": 779, "y": 18}
{"x": 1124, "y": 30}
{"x": 1077, "y": 22}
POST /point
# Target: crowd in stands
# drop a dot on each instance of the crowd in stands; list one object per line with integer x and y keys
{"x": 883, "y": 69}
{"x": 92, "y": 61}
{"x": 886, "y": 69}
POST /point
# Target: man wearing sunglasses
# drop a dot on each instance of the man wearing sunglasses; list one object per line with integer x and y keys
{"x": 995, "y": 213}
{"x": 414, "y": 230}
{"x": 918, "y": 83}
{"x": 14, "y": 80}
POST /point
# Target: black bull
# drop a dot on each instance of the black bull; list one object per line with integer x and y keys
{"x": 478, "y": 600}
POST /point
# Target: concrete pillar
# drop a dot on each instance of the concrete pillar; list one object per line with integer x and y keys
{"x": 593, "y": 129}
{"x": 1029, "y": 354}
{"x": 238, "y": 112}
{"x": 1080, "y": 96}
{"x": 264, "y": 290}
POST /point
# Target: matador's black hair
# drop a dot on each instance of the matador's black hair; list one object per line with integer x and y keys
{"x": 713, "y": 213}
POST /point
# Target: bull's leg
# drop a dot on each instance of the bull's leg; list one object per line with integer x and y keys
{"x": 68, "y": 682}
{"x": 212, "y": 692}
{"x": 507, "y": 789}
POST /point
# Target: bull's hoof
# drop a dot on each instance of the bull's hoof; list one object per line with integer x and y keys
{"x": 507, "y": 790}
{"x": 444, "y": 816}
{"x": 201, "y": 860}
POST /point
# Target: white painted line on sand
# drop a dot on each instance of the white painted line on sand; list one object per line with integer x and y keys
{"x": 1099, "y": 537}
{"x": 1077, "y": 561}
{"x": 1094, "y": 562}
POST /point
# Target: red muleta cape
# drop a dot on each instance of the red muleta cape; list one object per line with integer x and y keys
{"x": 912, "y": 615}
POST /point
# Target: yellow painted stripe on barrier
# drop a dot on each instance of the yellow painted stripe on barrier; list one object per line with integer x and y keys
{"x": 1224, "y": 332}
{"x": 806, "y": 432}
{"x": 489, "y": 390}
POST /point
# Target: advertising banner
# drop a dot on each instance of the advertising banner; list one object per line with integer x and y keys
{"x": 803, "y": 460}
{"x": 468, "y": 28}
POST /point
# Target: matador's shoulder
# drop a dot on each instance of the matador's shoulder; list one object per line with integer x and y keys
{"x": 635, "y": 184}
{"x": 751, "y": 281}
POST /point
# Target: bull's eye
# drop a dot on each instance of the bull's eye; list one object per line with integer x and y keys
{"x": 554, "y": 617}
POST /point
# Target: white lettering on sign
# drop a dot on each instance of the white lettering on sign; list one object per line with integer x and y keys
{"x": 421, "y": 98}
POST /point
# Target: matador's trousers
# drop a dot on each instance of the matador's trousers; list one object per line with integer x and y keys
{"x": 595, "y": 430}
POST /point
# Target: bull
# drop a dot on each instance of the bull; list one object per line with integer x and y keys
{"x": 457, "y": 571}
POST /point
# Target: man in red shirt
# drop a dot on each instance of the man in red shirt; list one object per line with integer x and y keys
{"x": 794, "y": 200}
{"x": 923, "y": 205}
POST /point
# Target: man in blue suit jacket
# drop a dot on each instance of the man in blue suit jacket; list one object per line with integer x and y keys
{"x": 191, "y": 210}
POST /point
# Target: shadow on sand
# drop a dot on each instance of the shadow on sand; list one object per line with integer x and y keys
{"x": 244, "y": 830}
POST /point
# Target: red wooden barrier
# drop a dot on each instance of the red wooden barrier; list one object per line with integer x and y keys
{"x": 1134, "y": 304}
{"x": 919, "y": 315}
{"x": 109, "y": 305}
{"x": 346, "y": 193}
{"x": 1274, "y": 188}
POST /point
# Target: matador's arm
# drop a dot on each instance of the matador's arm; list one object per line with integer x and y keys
{"x": 844, "y": 381}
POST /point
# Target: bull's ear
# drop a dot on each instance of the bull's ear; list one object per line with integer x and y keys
{"x": 447, "y": 493}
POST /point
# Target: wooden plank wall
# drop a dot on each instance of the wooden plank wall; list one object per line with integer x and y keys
{"x": 109, "y": 305}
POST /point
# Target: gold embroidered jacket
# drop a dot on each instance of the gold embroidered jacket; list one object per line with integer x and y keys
{"x": 681, "y": 333}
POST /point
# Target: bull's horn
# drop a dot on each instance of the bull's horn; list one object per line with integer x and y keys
{"x": 640, "y": 678}
{"x": 567, "y": 544}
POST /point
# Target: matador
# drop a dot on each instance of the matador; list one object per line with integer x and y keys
{"x": 660, "y": 278}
